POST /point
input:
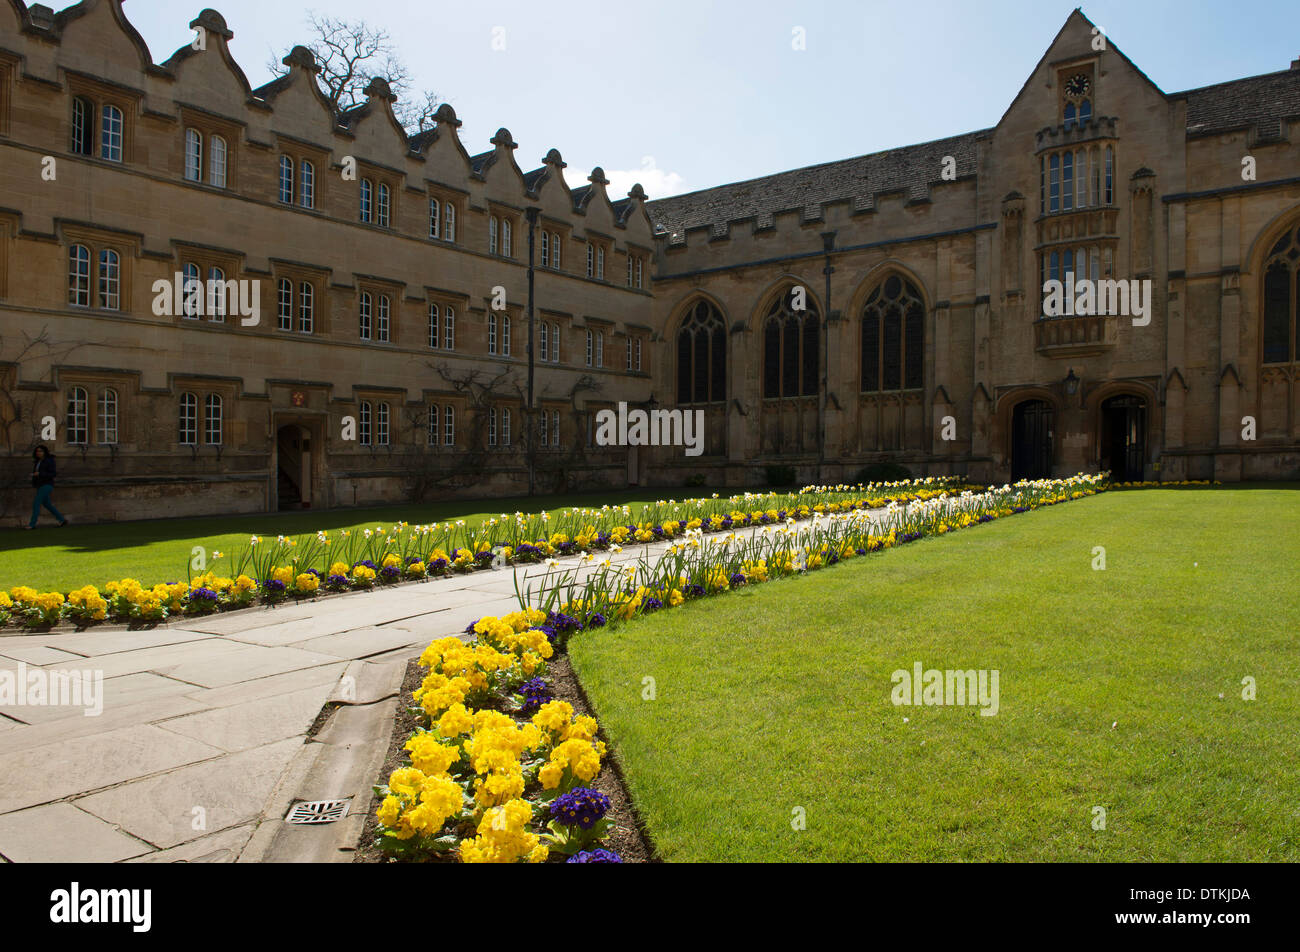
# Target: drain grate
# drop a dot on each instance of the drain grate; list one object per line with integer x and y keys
{"x": 317, "y": 811}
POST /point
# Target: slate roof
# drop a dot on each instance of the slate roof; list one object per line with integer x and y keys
{"x": 911, "y": 169}
{"x": 1262, "y": 101}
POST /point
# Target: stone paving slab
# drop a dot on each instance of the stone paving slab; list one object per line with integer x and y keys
{"x": 246, "y": 664}
{"x": 222, "y": 847}
{"x": 230, "y": 790}
{"x": 255, "y": 723}
{"x": 95, "y": 644}
{"x": 60, "y": 833}
{"x": 362, "y": 642}
{"x": 54, "y": 771}
{"x": 132, "y": 715}
{"x": 244, "y": 691}
{"x": 36, "y": 654}
{"x": 160, "y": 660}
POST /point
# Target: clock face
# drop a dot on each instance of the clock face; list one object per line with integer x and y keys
{"x": 1077, "y": 86}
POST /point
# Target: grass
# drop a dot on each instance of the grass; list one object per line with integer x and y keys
{"x": 158, "y": 550}
{"x": 778, "y": 697}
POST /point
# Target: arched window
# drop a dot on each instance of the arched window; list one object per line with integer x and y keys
{"x": 83, "y": 125}
{"x": 555, "y": 250}
{"x": 505, "y": 426}
{"x": 306, "y": 307}
{"x": 638, "y": 355}
{"x": 433, "y": 326}
{"x": 492, "y": 333}
{"x": 590, "y": 344}
{"x": 192, "y": 297}
{"x": 365, "y": 315}
{"x": 194, "y": 155}
{"x": 893, "y": 322}
{"x": 188, "y": 420}
{"x": 600, "y": 348}
{"x": 217, "y": 294}
{"x": 555, "y": 343}
{"x": 212, "y": 419}
{"x": 492, "y": 426}
{"x": 110, "y": 280}
{"x": 1281, "y": 280}
{"x": 1069, "y": 115}
{"x": 544, "y": 330}
{"x": 1110, "y": 175}
{"x": 434, "y": 419}
{"x": 600, "y": 262}
{"x": 449, "y": 329}
{"x": 382, "y": 206}
{"x": 507, "y": 238}
{"x": 433, "y": 218}
{"x": 555, "y": 427}
{"x": 381, "y": 319}
{"x": 110, "y": 134}
{"x": 107, "y": 431}
{"x": 591, "y": 260}
{"x": 492, "y": 235}
{"x": 307, "y": 185}
{"x": 505, "y": 335}
{"x": 217, "y": 162}
{"x": 364, "y": 434}
{"x": 367, "y": 199}
{"x": 449, "y": 426}
{"x": 702, "y": 356}
{"x": 286, "y": 180}
{"x": 381, "y": 424}
{"x": 546, "y": 249}
{"x": 284, "y": 304}
{"x": 76, "y": 424}
{"x": 1085, "y": 111}
{"x": 790, "y": 347}
{"x": 541, "y": 429}
{"x": 79, "y": 276}
{"x": 449, "y": 222}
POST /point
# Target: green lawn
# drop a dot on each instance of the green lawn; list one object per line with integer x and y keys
{"x": 778, "y": 696}
{"x": 158, "y": 550}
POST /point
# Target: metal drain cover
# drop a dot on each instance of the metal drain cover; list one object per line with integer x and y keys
{"x": 317, "y": 811}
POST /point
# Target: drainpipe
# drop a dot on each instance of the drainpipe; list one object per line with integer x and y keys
{"x": 828, "y": 244}
{"x": 531, "y": 213}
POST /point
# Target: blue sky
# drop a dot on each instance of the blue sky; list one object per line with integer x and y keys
{"x": 687, "y": 94}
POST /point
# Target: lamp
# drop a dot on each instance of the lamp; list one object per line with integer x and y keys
{"x": 1071, "y": 383}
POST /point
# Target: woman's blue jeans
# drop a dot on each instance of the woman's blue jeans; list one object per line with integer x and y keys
{"x": 43, "y": 499}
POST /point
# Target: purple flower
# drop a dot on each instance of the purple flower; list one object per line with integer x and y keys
{"x": 580, "y": 807}
{"x": 597, "y": 620}
{"x": 737, "y": 579}
{"x": 595, "y": 856}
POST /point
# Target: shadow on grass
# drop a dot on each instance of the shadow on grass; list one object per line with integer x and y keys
{"x": 102, "y": 537}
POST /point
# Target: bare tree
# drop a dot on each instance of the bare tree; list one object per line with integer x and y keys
{"x": 350, "y": 53}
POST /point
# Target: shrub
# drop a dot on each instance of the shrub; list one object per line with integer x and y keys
{"x": 697, "y": 480}
{"x": 780, "y": 475}
{"x": 885, "y": 472}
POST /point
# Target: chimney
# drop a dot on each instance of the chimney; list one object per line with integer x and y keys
{"x": 1295, "y": 64}
{"x": 41, "y": 16}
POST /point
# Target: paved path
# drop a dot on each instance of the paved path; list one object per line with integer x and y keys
{"x": 202, "y": 743}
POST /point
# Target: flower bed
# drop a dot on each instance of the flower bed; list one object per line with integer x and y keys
{"x": 305, "y": 567}
{"x": 499, "y": 771}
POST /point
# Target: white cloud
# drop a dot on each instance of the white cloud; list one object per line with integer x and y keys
{"x": 657, "y": 182}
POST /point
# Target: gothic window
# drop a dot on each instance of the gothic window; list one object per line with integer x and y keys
{"x": 702, "y": 356}
{"x": 1281, "y": 290}
{"x": 893, "y": 330}
{"x": 790, "y": 348}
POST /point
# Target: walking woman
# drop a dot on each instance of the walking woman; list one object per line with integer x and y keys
{"x": 43, "y": 473}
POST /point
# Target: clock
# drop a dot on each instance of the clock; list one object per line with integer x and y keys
{"x": 1077, "y": 86}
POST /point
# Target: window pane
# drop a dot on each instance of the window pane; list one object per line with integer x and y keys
{"x": 893, "y": 349}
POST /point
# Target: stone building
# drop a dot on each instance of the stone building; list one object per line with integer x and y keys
{"x": 381, "y": 290}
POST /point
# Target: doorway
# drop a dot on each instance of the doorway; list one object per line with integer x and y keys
{"x": 293, "y": 467}
{"x": 1031, "y": 440}
{"x": 1123, "y": 441}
